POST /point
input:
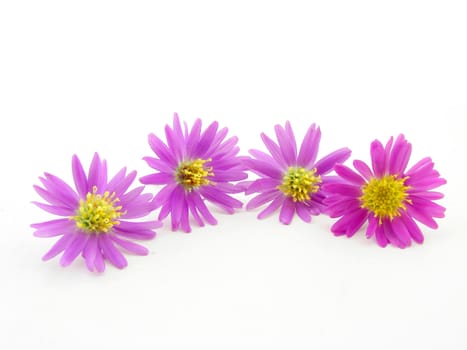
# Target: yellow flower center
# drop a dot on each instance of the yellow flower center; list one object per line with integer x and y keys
{"x": 385, "y": 196}
{"x": 193, "y": 174}
{"x": 299, "y": 183}
{"x": 98, "y": 213}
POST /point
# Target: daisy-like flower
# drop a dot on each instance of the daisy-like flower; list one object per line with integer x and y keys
{"x": 389, "y": 197}
{"x": 291, "y": 181}
{"x": 95, "y": 216}
{"x": 194, "y": 166}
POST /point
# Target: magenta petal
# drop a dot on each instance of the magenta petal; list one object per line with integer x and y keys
{"x": 216, "y": 196}
{"x": 175, "y": 143}
{"x": 97, "y": 175}
{"x": 158, "y": 179}
{"x": 193, "y": 137}
{"x": 363, "y": 169}
{"x": 53, "y": 228}
{"x": 164, "y": 195}
{"x": 261, "y": 199}
{"x": 61, "y": 211}
{"x": 111, "y": 253}
{"x": 413, "y": 228}
{"x": 378, "y": 158}
{"x": 262, "y": 185}
{"x": 99, "y": 260}
{"x": 203, "y": 209}
{"x": 160, "y": 165}
{"x": 400, "y": 230}
{"x": 380, "y": 236}
{"x": 400, "y": 156}
{"x": 286, "y": 145}
{"x": 343, "y": 189}
{"x": 344, "y": 205}
{"x": 130, "y": 246}
{"x": 184, "y": 220}
{"x": 327, "y": 163}
{"x": 287, "y": 211}
{"x": 161, "y": 150}
{"x": 303, "y": 212}
{"x": 264, "y": 168}
{"x": 421, "y": 216}
{"x": 275, "y": 151}
{"x": 205, "y": 140}
{"x": 59, "y": 246}
{"x": 350, "y": 223}
{"x": 272, "y": 207}
{"x": 194, "y": 211}
{"x": 79, "y": 177}
{"x": 90, "y": 252}
{"x": 60, "y": 191}
{"x": 391, "y": 235}
{"x": 309, "y": 148}
{"x": 348, "y": 174}
{"x": 372, "y": 225}
{"x": 74, "y": 249}
{"x": 176, "y": 203}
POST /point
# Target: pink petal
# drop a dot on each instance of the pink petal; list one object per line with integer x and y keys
{"x": 79, "y": 177}
{"x": 59, "y": 246}
{"x": 348, "y": 174}
{"x": 130, "y": 246}
{"x": 73, "y": 249}
{"x": 262, "y": 198}
{"x": 309, "y": 148}
{"x": 111, "y": 253}
{"x": 363, "y": 169}
{"x": 287, "y": 211}
{"x": 378, "y": 158}
{"x": 272, "y": 207}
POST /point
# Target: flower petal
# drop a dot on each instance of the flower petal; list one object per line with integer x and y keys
{"x": 272, "y": 207}
{"x": 303, "y": 212}
{"x": 309, "y": 148}
{"x": 287, "y": 145}
{"x": 378, "y": 158}
{"x": 275, "y": 151}
{"x": 287, "y": 211}
{"x": 363, "y": 169}
{"x": 111, "y": 253}
{"x": 73, "y": 249}
{"x": 327, "y": 163}
{"x": 262, "y": 198}
{"x": 129, "y": 246}
{"x": 59, "y": 246}
{"x": 79, "y": 177}
{"x": 348, "y": 174}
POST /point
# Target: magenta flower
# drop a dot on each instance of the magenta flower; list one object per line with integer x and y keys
{"x": 290, "y": 181}
{"x": 194, "y": 166}
{"x": 95, "y": 217}
{"x": 389, "y": 198}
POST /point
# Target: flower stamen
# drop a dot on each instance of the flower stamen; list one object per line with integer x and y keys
{"x": 193, "y": 174}
{"x": 385, "y": 196}
{"x": 98, "y": 213}
{"x": 299, "y": 183}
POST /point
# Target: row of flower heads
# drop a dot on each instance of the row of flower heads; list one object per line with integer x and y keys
{"x": 196, "y": 166}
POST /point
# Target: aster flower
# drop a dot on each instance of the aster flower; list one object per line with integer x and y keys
{"x": 291, "y": 181}
{"x": 194, "y": 167}
{"x": 95, "y": 216}
{"x": 389, "y": 197}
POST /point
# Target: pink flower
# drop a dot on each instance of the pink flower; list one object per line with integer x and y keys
{"x": 289, "y": 180}
{"x": 194, "y": 166}
{"x": 389, "y": 197}
{"x": 95, "y": 217}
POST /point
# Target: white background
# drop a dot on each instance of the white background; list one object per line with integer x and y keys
{"x": 85, "y": 76}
